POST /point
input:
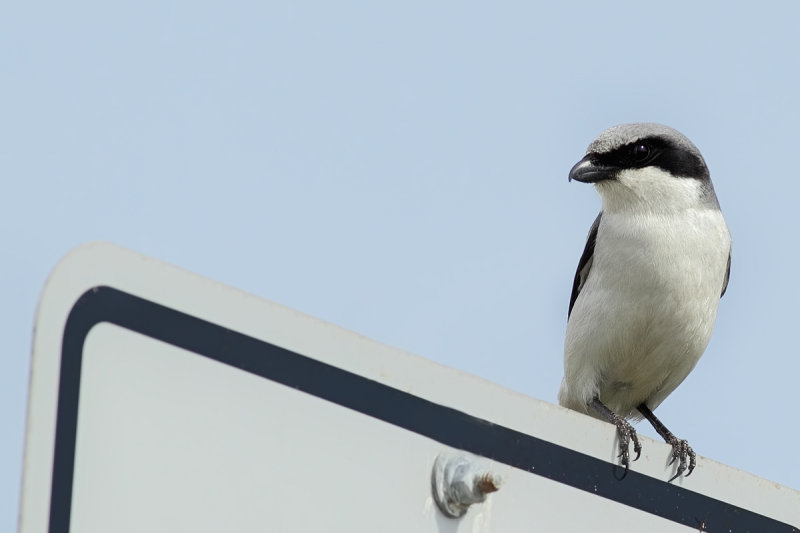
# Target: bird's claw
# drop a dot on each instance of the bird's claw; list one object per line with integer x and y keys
{"x": 683, "y": 453}
{"x": 627, "y": 435}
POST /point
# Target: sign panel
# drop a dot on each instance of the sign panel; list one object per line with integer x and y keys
{"x": 161, "y": 401}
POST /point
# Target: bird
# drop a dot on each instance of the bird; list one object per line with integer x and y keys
{"x": 649, "y": 282}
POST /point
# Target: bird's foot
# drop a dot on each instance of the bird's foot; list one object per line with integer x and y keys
{"x": 626, "y": 435}
{"x": 625, "y": 432}
{"x": 683, "y": 453}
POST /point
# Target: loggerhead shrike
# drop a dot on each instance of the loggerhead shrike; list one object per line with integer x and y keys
{"x": 648, "y": 284}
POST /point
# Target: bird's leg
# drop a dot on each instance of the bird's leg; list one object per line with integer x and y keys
{"x": 624, "y": 430}
{"x": 681, "y": 451}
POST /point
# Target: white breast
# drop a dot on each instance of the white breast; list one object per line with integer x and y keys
{"x": 647, "y": 309}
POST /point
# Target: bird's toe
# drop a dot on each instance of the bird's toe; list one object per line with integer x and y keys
{"x": 684, "y": 454}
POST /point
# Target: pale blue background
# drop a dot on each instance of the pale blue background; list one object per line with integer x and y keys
{"x": 402, "y": 172}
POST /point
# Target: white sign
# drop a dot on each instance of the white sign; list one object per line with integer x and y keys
{"x": 164, "y": 402}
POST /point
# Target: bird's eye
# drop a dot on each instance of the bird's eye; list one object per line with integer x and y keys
{"x": 640, "y": 152}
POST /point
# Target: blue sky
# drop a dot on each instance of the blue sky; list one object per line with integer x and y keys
{"x": 401, "y": 170}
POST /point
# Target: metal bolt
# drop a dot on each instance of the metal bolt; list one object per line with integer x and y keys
{"x": 460, "y": 480}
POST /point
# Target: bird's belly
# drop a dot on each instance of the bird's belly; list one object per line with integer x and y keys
{"x": 646, "y": 350}
{"x": 641, "y": 322}
{"x": 652, "y": 352}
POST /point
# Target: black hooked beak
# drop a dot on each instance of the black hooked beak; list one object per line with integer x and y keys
{"x": 588, "y": 170}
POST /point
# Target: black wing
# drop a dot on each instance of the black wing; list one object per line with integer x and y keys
{"x": 585, "y": 264}
{"x": 727, "y": 276}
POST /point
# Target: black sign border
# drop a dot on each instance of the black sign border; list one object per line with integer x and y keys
{"x": 445, "y": 425}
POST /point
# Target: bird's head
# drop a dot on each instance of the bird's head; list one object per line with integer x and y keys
{"x": 646, "y": 167}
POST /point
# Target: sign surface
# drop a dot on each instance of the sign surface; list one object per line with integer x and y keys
{"x": 162, "y": 401}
